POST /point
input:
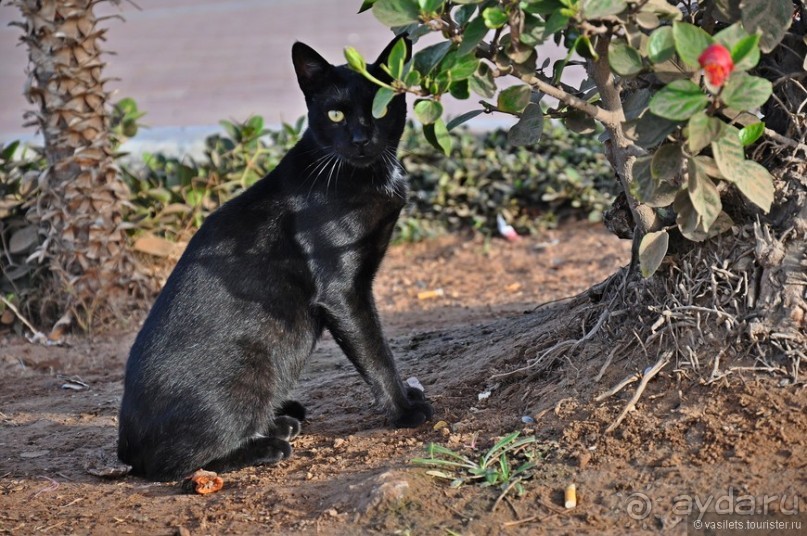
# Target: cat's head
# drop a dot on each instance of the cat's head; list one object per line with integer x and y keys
{"x": 340, "y": 106}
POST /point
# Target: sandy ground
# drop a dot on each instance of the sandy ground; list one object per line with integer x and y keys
{"x": 686, "y": 447}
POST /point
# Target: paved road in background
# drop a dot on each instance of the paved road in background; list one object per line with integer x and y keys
{"x": 194, "y": 62}
{"x": 191, "y": 63}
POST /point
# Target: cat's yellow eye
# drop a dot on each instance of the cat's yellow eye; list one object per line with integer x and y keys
{"x": 336, "y": 116}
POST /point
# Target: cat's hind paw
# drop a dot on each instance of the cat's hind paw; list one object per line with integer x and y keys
{"x": 419, "y": 411}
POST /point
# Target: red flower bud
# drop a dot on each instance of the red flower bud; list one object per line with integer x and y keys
{"x": 717, "y": 64}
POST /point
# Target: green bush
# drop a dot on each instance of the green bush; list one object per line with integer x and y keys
{"x": 173, "y": 195}
{"x": 20, "y": 168}
{"x": 563, "y": 175}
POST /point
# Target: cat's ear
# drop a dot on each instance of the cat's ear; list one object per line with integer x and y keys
{"x": 309, "y": 66}
{"x": 384, "y": 56}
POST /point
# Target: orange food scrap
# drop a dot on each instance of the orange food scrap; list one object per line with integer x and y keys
{"x": 203, "y": 482}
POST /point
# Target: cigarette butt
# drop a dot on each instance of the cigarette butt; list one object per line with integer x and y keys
{"x": 571, "y": 496}
{"x": 430, "y": 294}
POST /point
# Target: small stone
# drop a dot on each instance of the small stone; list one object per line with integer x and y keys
{"x": 583, "y": 458}
{"x": 384, "y": 490}
{"x": 309, "y": 476}
{"x": 332, "y": 512}
{"x": 35, "y": 454}
{"x": 338, "y": 442}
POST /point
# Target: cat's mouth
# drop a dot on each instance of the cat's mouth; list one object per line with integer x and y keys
{"x": 362, "y": 160}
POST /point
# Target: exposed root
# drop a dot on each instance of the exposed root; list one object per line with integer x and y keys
{"x": 646, "y": 377}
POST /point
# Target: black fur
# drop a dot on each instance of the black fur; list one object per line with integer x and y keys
{"x": 210, "y": 372}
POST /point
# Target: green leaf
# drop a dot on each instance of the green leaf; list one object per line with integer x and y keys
{"x": 8, "y": 151}
{"x": 494, "y": 17}
{"x": 482, "y": 82}
{"x": 597, "y": 9}
{"x": 649, "y": 130}
{"x": 710, "y": 166}
{"x": 474, "y": 33}
{"x": 662, "y": 9}
{"x": 728, "y": 37}
{"x": 427, "y": 59}
{"x": 624, "y": 59}
{"x": 542, "y": 7}
{"x": 460, "y": 90}
{"x": 746, "y": 92}
{"x": 584, "y": 47}
{"x": 647, "y": 189}
{"x": 771, "y": 18}
{"x": 459, "y": 67}
{"x": 428, "y": 111}
{"x": 463, "y": 15}
{"x": 529, "y": 128}
{"x": 514, "y": 99}
{"x": 396, "y": 12}
{"x": 678, "y": 100}
{"x": 728, "y": 153}
{"x": 756, "y": 183}
{"x": 689, "y": 222}
{"x": 382, "y": 98}
{"x": 580, "y": 122}
{"x": 430, "y": 6}
{"x": 460, "y": 119}
{"x": 412, "y": 78}
{"x": 703, "y": 193}
{"x": 355, "y": 60}
{"x": 703, "y": 130}
{"x": 751, "y": 133}
{"x": 690, "y": 42}
{"x": 667, "y": 162}
{"x": 397, "y": 59}
{"x": 652, "y": 250}
{"x": 661, "y": 45}
{"x": 367, "y": 4}
{"x": 686, "y": 216}
{"x": 437, "y": 134}
{"x": 556, "y": 22}
{"x": 745, "y": 54}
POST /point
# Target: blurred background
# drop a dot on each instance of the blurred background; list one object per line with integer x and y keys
{"x": 190, "y": 63}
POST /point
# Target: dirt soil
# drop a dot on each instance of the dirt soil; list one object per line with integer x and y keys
{"x": 686, "y": 446}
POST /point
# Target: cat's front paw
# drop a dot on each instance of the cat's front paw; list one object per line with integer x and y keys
{"x": 419, "y": 410}
{"x": 285, "y": 428}
{"x": 271, "y": 450}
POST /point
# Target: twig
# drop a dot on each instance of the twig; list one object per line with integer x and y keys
{"x": 53, "y": 486}
{"x": 606, "y": 364}
{"x": 18, "y": 314}
{"x": 618, "y": 387}
{"x": 505, "y": 492}
{"x": 785, "y": 141}
{"x": 648, "y": 375}
{"x": 37, "y": 337}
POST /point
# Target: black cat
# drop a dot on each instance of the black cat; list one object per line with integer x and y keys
{"x": 209, "y": 374}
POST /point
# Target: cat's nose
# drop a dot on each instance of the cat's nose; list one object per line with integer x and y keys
{"x": 361, "y": 140}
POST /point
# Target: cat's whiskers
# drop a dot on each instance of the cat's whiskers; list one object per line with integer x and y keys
{"x": 325, "y": 161}
{"x": 330, "y": 173}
